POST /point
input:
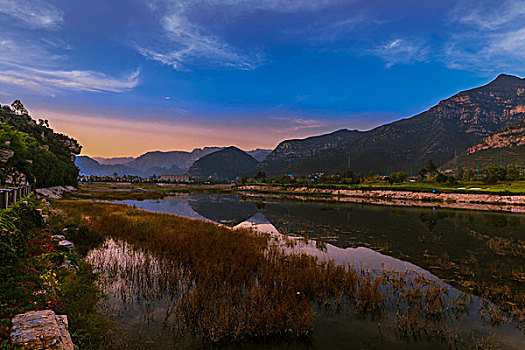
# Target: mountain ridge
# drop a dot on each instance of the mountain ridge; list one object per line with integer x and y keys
{"x": 437, "y": 134}
{"x": 152, "y": 162}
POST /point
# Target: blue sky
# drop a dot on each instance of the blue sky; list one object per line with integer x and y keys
{"x": 129, "y": 76}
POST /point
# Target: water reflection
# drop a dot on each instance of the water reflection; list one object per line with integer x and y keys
{"x": 227, "y": 209}
{"x": 454, "y": 246}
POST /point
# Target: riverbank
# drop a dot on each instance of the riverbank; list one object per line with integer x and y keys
{"x": 471, "y": 201}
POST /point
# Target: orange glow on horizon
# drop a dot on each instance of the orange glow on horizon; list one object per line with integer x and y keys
{"x": 108, "y": 137}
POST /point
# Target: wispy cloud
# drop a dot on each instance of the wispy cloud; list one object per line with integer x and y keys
{"x": 189, "y": 41}
{"x": 490, "y": 15}
{"x": 327, "y": 32}
{"x": 401, "y": 51}
{"x": 79, "y": 80}
{"x": 293, "y": 124}
{"x": 34, "y": 13}
{"x": 31, "y": 64}
{"x": 492, "y": 39}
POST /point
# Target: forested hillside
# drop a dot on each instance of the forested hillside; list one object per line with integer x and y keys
{"x": 32, "y": 152}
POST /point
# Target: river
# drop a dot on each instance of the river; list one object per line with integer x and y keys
{"x": 452, "y": 246}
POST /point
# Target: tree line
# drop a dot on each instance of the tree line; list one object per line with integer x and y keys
{"x": 30, "y": 151}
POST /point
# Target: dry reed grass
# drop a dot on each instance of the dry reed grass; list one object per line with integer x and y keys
{"x": 229, "y": 285}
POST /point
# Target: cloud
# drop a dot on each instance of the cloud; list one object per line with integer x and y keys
{"x": 191, "y": 42}
{"x": 492, "y": 15}
{"x": 401, "y": 51}
{"x": 244, "y": 6}
{"x": 492, "y": 39}
{"x": 329, "y": 31}
{"x": 187, "y": 41}
{"x": 294, "y": 124}
{"x": 34, "y": 13}
{"x": 79, "y": 80}
{"x": 31, "y": 64}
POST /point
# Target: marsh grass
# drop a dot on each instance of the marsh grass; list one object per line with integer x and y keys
{"x": 140, "y": 192}
{"x": 224, "y": 285}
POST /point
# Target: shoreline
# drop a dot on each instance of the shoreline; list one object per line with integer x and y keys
{"x": 474, "y": 201}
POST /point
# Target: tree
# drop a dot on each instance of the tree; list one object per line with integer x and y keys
{"x": 260, "y": 177}
{"x": 513, "y": 173}
{"x": 398, "y": 177}
{"x": 494, "y": 174}
{"x": 19, "y": 108}
{"x": 441, "y": 178}
{"x": 423, "y": 174}
{"x": 431, "y": 167}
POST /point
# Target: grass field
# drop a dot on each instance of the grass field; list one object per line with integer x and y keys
{"x": 514, "y": 187}
{"x": 154, "y": 191}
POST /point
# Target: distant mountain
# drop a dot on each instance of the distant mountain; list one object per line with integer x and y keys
{"x": 259, "y": 154}
{"x": 152, "y": 163}
{"x": 89, "y": 166}
{"x": 505, "y": 147}
{"x": 177, "y": 161}
{"x": 113, "y": 161}
{"x": 226, "y": 164}
{"x": 438, "y": 134}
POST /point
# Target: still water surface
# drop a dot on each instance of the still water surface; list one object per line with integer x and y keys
{"x": 441, "y": 244}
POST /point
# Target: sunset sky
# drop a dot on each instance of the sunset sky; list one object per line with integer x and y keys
{"x": 125, "y": 77}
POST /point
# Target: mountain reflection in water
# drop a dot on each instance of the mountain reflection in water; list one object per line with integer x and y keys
{"x": 231, "y": 211}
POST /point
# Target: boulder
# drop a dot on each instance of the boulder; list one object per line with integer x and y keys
{"x": 41, "y": 330}
{"x": 6, "y": 154}
{"x": 67, "y": 244}
{"x": 54, "y": 192}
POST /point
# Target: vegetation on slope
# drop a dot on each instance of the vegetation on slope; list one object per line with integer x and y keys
{"x": 31, "y": 151}
{"x": 38, "y": 274}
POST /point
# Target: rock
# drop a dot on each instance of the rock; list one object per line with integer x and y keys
{"x": 68, "y": 265}
{"x": 6, "y": 154}
{"x": 54, "y": 192}
{"x": 41, "y": 330}
{"x": 59, "y": 237}
{"x": 66, "y": 243}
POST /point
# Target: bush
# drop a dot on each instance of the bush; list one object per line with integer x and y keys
{"x": 494, "y": 174}
{"x": 15, "y": 223}
{"x": 398, "y": 177}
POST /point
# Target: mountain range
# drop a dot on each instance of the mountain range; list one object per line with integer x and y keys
{"x": 438, "y": 134}
{"x": 152, "y": 163}
{"x": 472, "y": 122}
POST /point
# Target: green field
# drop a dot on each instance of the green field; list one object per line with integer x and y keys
{"x": 502, "y": 188}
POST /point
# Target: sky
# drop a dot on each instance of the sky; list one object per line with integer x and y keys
{"x": 126, "y": 77}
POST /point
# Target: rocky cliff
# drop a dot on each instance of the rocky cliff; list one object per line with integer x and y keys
{"x": 505, "y": 147}
{"x": 438, "y": 134}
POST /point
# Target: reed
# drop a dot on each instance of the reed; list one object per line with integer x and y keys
{"x": 225, "y": 285}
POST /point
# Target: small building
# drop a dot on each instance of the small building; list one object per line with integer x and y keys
{"x": 175, "y": 178}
